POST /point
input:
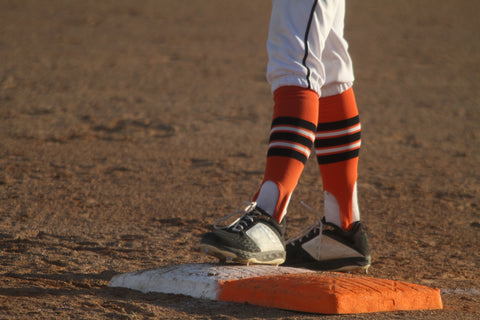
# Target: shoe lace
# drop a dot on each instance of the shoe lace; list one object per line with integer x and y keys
{"x": 306, "y": 232}
{"x": 247, "y": 209}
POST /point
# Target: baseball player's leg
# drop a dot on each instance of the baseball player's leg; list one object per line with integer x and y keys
{"x": 339, "y": 242}
{"x": 337, "y": 141}
{"x": 291, "y": 139}
{"x": 337, "y": 148}
{"x": 297, "y": 34}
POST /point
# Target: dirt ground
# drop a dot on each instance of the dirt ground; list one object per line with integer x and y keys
{"x": 128, "y": 127}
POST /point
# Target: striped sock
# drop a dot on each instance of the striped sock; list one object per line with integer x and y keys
{"x": 291, "y": 139}
{"x": 337, "y": 145}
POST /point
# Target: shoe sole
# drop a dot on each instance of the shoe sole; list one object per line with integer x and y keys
{"x": 341, "y": 265}
{"x": 352, "y": 269}
{"x": 229, "y": 256}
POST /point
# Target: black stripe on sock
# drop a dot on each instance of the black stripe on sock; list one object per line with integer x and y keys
{"x": 342, "y": 124}
{"x": 285, "y": 152}
{"x": 338, "y": 141}
{"x": 295, "y": 122}
{"x": 337, "y": 157}
{"x": 291, "y": 137}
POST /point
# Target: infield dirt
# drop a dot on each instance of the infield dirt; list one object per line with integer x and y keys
{"x": 128, "y": 128}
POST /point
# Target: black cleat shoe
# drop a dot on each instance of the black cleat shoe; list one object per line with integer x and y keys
{"x": 256, "y": 237}
{"x": 324, "y": 246}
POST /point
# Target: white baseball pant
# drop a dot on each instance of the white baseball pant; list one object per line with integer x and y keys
{"x": 306, "y": 46}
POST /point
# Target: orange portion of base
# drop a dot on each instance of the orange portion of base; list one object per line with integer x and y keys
{"x": 330, "y": 293}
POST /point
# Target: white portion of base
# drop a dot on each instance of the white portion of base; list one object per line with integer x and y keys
{"x": 195, "y": 280}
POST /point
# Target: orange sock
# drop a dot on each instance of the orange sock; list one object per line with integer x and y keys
{"x": 337, "y": 146}
{"x": 291, "y": 139}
